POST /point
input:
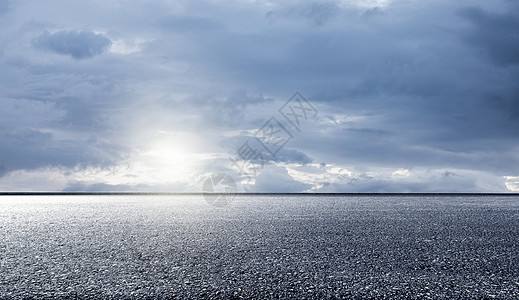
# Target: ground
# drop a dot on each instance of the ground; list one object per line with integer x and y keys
{"x": 260, "y": 247}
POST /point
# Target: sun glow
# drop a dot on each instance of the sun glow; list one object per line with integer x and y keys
{"x": 168, "y": 162}
{"x": 170, "y": 158}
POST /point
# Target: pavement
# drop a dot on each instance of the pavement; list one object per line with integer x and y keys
{"x": 261, "y": 247}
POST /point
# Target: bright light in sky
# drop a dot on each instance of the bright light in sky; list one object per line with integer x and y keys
{"x": 168, "y": 162}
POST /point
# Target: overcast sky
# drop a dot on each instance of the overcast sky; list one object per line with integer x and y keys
{"x": 402, "y": 96}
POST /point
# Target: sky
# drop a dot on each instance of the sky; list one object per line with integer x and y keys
{"x": 392, "y": 96}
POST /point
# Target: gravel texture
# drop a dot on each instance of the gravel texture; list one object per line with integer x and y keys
{"x": 259, "y": 247}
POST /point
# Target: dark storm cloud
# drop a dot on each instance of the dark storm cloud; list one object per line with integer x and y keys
{"x": 424, "y": 146}
{"x": 428, "y": 98}
{"x": 496, "y": 33}
{"x": 77, "y": 44}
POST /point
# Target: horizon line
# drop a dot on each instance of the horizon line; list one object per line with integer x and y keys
{"x": 247, "y": 194}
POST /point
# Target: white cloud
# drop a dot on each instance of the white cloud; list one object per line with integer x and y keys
{"x": 128, "y": 46}
{"x": 277, "y": 179}
{"x": 366, "y": 3}
{"x": 402, "y": 172}
{"x": 512, "y": 183}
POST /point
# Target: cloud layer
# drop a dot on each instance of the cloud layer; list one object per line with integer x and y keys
{"x": 412, "y": 96}
{"x": 79, "y": 45}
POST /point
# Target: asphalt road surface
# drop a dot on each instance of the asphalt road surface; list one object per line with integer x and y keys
{"x": 259, "y": 247}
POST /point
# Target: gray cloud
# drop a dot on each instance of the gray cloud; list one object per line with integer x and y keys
{"x": 183, "y": 24}
{"x": 497, "y": 34}
{"x": 28, "y": 149}
{"x": 428, "y": 84}
{"x": 77, "y": 44}
{"x": 287, "y": 155}
{"x": 317, "y": 12}
{"x": 4, "y": 6}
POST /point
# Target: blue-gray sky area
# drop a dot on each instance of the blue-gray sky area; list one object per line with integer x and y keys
{"x": 408, "y": 96}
